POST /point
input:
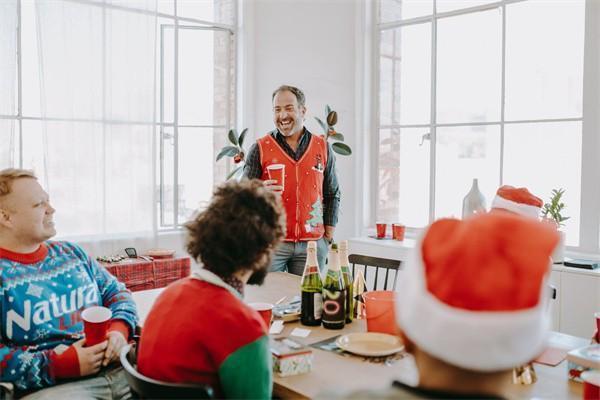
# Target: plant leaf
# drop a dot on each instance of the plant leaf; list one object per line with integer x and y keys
{"x": 341, "y": 148}
{"x": 323, "y": 126}
{"x": 332, "y": 118}
{"x": 337, "y": 136}
{"x": 233, "y": 137}
{"x": 242, "y": 136}
{"x": 235, "y": 171}
{"x": 229, "y": 151}
{"x": 327, "y": 109}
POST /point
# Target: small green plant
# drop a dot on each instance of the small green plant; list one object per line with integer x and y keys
{"x": 552, "y": 210}
{"x": 235, "y": 150}
{"x": 330, "y": 133}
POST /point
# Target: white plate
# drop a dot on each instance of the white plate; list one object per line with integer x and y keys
{"x": 370, "y": 344}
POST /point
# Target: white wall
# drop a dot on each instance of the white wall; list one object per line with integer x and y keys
{"x": 311, "y": 44}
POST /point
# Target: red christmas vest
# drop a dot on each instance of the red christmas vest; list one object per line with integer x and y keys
{"x": 303, "y": 186}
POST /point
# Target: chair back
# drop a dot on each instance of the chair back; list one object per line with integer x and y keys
{"x": 143, "y": 387}
{"x": 377, "y": 264}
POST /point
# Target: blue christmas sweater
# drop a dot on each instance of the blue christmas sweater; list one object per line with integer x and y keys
{"x": 41, "y": 297}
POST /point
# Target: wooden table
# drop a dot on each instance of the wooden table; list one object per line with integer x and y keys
{"x": 331, "y": 370}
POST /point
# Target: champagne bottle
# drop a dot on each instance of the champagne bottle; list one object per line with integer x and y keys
{"x": 311, "y": 307}
{"x": 347, "y": 278}
{"x": 334, "y": 291}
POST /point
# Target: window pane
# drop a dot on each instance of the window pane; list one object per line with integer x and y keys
{"x": 403, "y": 193}
{"x": 462, "y": 154}
{"x": 167, "y": 177}
{"x": 386, "y": 90}
{"x": 200, "y": 78}
{"x": 469, "y": 68}
{"x": 196, "y": 162}
{"x": 412, "y": 73}
{"x": 543, "y": 157}
{"x": 544, "y": 66}
{"x": 450, "y": 5}
{"x": 166, "y": 71}
{"x": 30, "y": 60}
{"x": 8, "y": 56}
{"x": 166, "y": 6}
{"x": 8, "y": 143}
{"x": 221, "y": 11}
{"x": 395, "y": 10}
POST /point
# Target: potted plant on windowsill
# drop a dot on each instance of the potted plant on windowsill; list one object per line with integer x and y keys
{"x": 552, "y": 212}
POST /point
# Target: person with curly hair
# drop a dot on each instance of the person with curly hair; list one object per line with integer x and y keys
{"x": 199, "y": 328}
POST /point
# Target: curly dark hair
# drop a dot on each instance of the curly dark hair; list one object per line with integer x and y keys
{"x": 239, "y": 229}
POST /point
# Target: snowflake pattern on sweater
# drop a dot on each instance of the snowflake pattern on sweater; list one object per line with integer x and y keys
{"x": 40, "y": 308}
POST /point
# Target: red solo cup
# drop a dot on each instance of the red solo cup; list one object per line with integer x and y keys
{"x": 379, "y": 307}
{"x": 381, "y": 227}
{"x": 95, "y": 324}
{"x": 277, "y": 173}
{"x": 597, "y": 315}
{"x": 398, "y": 231}
{"x": 591, "y": 385}
{"x": 265, "y": 310}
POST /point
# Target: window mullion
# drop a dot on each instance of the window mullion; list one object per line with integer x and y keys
{"x": 432, "y": 117}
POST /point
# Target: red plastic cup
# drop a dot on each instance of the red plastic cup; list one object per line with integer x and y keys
{"x": 265, "y": 310}
{"x": 379, "y": 307}
{"x": 277, "y": 173}
{"x": 398, "y": 231}
{"x": 381, "y": 228}
{"x": 95, "y": 324}
{"x": 591, "y": 385}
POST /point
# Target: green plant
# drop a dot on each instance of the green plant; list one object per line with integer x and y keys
{"x": 330, "y": 133}
{"x": 553, "y": 209}
{"x": 235, "y": 150}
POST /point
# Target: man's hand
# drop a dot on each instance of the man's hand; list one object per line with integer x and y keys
{"x": 116, "y": 341}
{"x": 271, "y": 185}
{"x": 328, "y": 235}
{"x": 90, "y": 358}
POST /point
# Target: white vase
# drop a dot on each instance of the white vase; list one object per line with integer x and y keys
{"x": 558, "y": 255}
{"x": 474, "y": 202}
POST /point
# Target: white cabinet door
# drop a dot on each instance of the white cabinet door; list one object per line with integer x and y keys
{"x": 579, "y": 300}
{"x": 555, "y": 303}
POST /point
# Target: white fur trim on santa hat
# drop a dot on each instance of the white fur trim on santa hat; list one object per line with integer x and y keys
{"x": 475, "y": 340}
{"x": 526, "y": 210}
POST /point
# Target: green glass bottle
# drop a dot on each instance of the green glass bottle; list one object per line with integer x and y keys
{"x": 334, "y": 292}
{"x": 311, "y": 288}
{"x": 347, "y": 278}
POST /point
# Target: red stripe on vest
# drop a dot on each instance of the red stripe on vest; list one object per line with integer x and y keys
{"x": 303, "y": 186}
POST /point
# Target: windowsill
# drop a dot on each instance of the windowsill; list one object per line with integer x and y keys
{"x": 400, "y": 250}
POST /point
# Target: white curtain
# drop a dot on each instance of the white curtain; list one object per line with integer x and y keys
{"x": 95, "y": 151}
{"x": 8, "y": 74}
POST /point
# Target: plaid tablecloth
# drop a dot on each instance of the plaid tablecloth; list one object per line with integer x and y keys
{"x": 138, "y": 274}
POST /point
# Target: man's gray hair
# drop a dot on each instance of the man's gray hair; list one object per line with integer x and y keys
{"x": 297, "y": 92}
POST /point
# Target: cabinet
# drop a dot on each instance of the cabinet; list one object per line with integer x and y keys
{"x": 579, "y": 300}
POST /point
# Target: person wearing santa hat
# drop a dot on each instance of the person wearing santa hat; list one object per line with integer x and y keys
{"x": 471, "y": 305}
{"x": 517, "y": 200}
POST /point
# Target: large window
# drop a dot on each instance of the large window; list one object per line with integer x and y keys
{"x": 118, "y": 105}
{"x": 491, "y": 90}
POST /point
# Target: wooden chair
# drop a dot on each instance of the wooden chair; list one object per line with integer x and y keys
{"x": 147, "y": 388}
{"x": 378, "y": 264}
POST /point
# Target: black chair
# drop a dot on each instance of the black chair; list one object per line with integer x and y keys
{"x": 143, "y": 387}
{"x": 378, "y": 264}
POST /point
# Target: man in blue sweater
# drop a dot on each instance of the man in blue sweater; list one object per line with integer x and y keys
{"x": 44, "y": 286}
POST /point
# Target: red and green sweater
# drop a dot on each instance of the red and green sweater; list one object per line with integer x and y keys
{"x": 200, "y": 331}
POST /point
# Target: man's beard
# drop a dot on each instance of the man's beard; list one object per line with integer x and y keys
{"x": 258, "y": 276}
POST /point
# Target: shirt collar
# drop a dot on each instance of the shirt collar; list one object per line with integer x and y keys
{"x": 25, "y": 258}
{"x": 207, "y": 276}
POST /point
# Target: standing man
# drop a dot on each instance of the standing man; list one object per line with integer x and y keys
{"x": 44, "y": 286}
{"x": 310, "y": 193}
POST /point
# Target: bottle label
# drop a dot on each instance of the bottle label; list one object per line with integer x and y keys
{"x": 318, "y": 309}
{"x": 334, "y": 302}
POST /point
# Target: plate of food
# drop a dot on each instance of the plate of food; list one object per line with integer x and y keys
{"x": 370, "y": 344}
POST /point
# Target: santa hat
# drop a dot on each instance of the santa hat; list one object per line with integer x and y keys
{"x": 474, "y": 293}
{"x": 517, "y": 200}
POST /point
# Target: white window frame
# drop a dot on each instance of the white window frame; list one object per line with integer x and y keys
{"x": 159, "y": 223}
{"x": 589, "y": 229}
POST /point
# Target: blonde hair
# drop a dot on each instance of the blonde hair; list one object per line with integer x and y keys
{"x": 8, "y": 175}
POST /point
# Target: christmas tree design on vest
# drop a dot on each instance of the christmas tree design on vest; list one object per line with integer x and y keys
{"x": 316, "y": 216}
